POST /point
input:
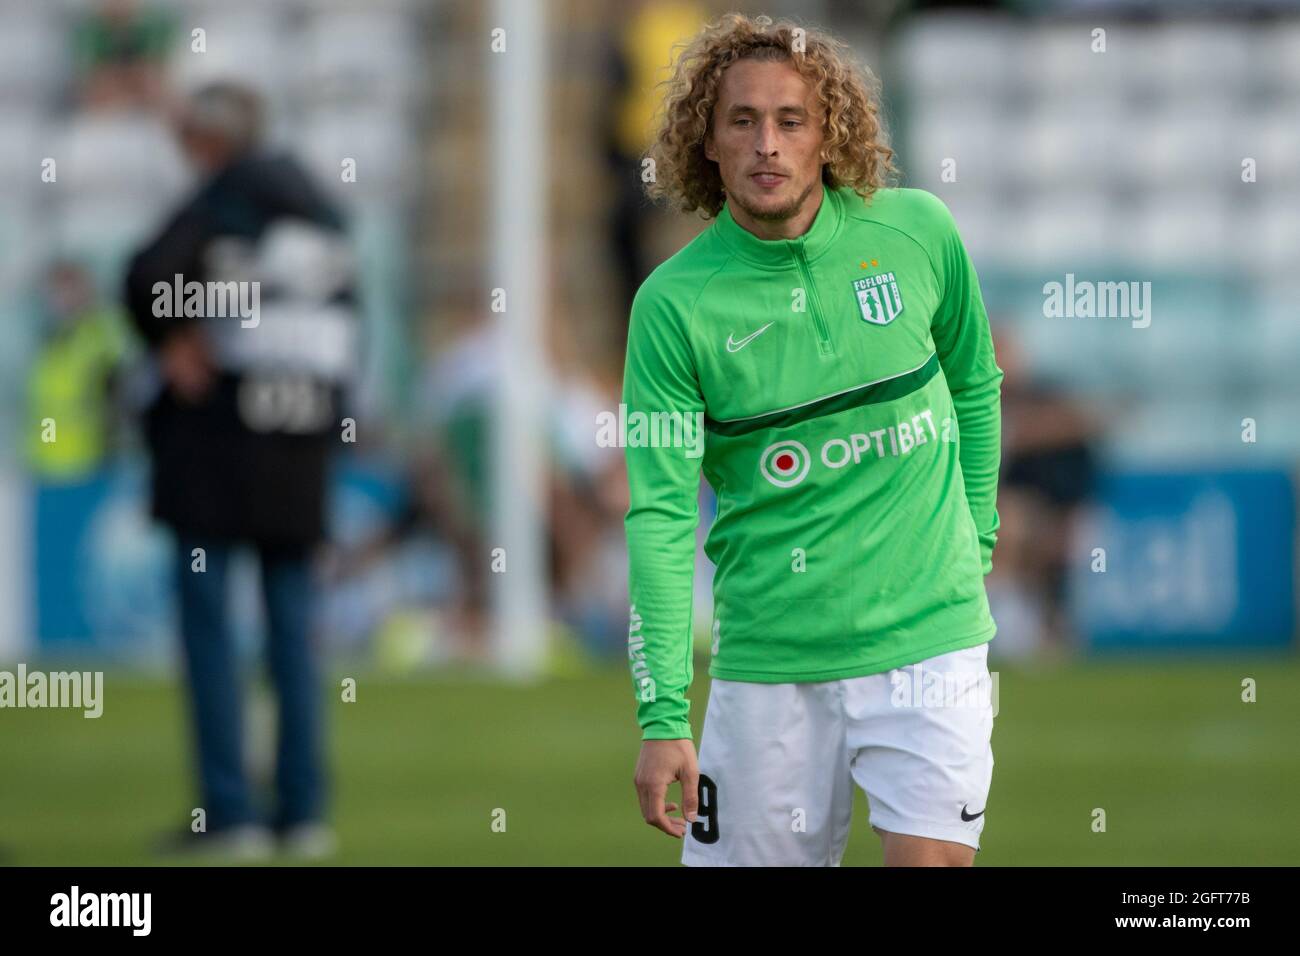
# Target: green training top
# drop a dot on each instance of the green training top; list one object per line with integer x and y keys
{"x": 823, "y": 379}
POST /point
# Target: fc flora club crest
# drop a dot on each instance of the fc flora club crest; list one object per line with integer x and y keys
{"x": 879, "y": 298}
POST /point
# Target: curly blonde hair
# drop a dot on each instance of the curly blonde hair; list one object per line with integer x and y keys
{"x": 856, "y": 150}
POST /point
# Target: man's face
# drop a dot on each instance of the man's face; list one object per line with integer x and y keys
{"x": 204, "y": 151}
{"x": 766, "y": 137}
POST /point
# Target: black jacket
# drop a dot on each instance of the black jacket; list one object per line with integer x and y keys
{"x": 249, "y": 461}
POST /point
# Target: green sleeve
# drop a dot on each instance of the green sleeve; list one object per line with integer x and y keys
{"x": 964, "y": 341}
{"x": 663, "y": 482}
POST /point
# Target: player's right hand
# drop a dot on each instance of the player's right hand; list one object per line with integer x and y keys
{"x": 661, "y": 762}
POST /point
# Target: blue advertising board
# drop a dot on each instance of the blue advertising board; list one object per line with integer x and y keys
{"x": 1186, "y": 560}
{"x": 104, "y": 570}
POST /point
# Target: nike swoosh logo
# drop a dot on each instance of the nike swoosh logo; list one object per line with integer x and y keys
{"x": 969, "y": 817}
{"x": 737, "y": 346}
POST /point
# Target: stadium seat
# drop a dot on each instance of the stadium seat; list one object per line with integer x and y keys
{"x": 381, "y": 147}
{"x": 958, "y": 57}
{"x": 128, "y": 157}
{"x": 24, "y": 143}
{"x": 34, "y": 54}
{"x": 337, "y": 62}
{"x": 252, "y": 46}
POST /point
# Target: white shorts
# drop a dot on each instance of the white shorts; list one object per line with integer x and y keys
{"x": 778, "y": 762}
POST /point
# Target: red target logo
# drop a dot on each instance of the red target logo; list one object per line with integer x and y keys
{"x": 785, "y": 464}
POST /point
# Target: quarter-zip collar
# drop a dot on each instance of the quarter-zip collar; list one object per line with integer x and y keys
{"x": 779, "y": 253}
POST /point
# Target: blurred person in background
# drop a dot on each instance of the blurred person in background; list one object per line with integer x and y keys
{"x": 1049, "y": 474}
{"x": 584, "y": 497}
{"x": 638, "y": 59}
{"x": 119, "y": 47}
{"x": 447, "y": 482}
{"x": 588, "y": 500}
{"x": 449, "y": 488}
{"x": 241, "y": 429}
{"x": 73, "y": 382}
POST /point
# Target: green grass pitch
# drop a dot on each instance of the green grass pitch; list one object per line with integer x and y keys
{"x": 1186, "y": 772}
